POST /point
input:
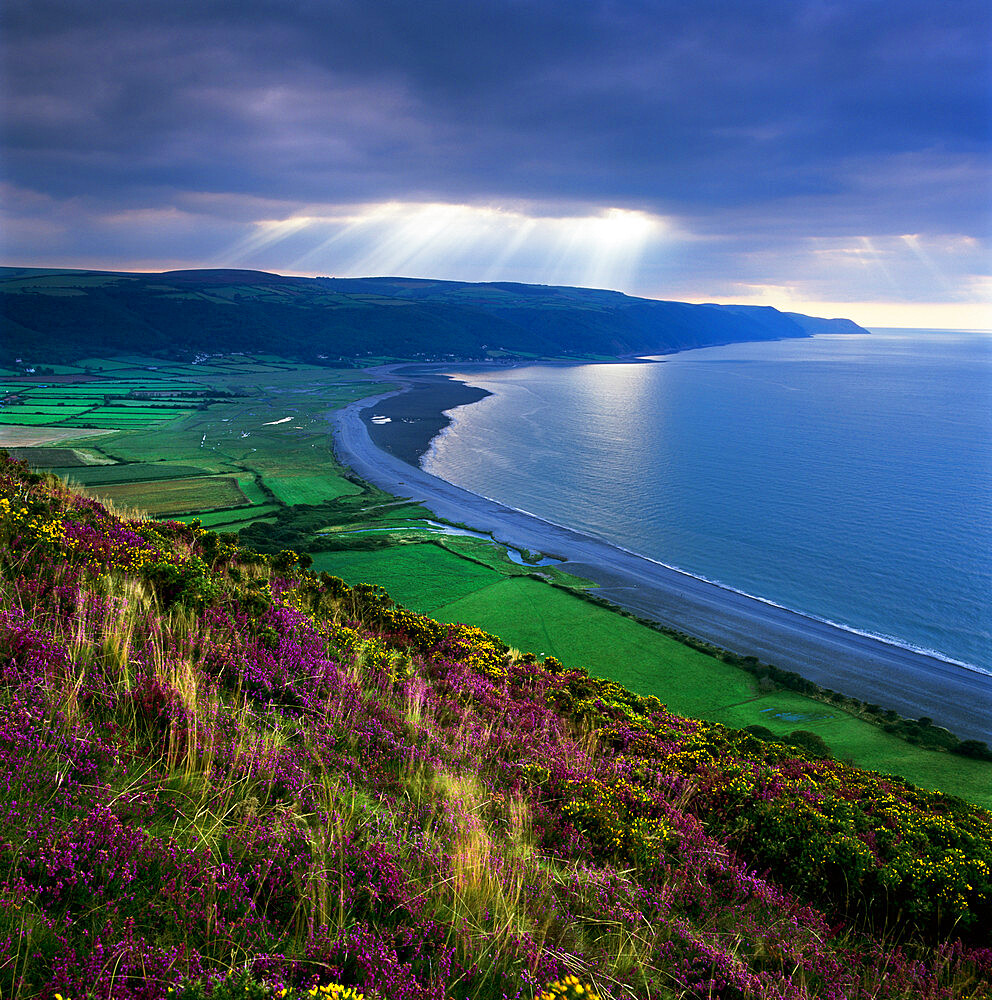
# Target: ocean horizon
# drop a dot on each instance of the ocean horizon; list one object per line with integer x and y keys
{"x": 845, "y": 477}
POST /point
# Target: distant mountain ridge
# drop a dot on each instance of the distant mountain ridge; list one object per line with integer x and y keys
{"x": 64, "y": 315}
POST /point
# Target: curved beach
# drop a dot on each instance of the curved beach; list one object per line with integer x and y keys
{"x": 911, "y": 682}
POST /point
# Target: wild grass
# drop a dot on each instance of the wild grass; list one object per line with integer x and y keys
{"x": 236, "y": 777}
{"x": 551, "y": 621}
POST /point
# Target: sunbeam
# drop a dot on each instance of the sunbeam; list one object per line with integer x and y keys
{"x": 470, "y": 242}
{"x": 912, "y": 241}
{"x": 266, "y": 233}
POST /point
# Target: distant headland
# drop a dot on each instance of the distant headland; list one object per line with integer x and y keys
{"x": 64, "y": 315}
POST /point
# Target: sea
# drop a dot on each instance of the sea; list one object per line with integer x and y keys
{"x": 848, "y": 477}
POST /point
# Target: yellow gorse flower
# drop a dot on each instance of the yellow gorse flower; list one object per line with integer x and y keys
{"x": 335, "y": 991}
{"x": 568, "y": 988}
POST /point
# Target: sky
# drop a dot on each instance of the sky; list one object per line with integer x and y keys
{"x": 823, "y": 156}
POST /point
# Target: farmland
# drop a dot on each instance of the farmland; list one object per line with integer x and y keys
{"x": 210, "y": 428}
{"x": 174, "y": 496}
{"x": 95, "y": 402}
{"x": 309, "y": 489}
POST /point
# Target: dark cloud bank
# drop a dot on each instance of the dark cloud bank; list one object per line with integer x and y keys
{"x": 773, "y": 121}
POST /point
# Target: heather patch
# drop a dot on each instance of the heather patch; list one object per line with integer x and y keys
{"x": 221, "y": 775}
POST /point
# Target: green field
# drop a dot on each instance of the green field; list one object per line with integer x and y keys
{"x": 174, "y": 496}
{"x": 248, "y": 485}
{"x": 31, "y": 405}
{"x": 91, "y": 390}
{"x": 134, "y": 414}
{"x": 232, "y": 520}
{"x": 41, "y": 409}
{"x": 47, "y": 398}
{"x": 27, "y": 419}
{"x": 110, "y": 423}
{"x": 422, "y": 577}
{"x": 309, "y": 489}
{"x": 535, "y": 617}
{"x": 142, "y": 406}
{"x": 95, "y": 475}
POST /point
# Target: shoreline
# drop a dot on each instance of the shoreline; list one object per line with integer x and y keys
{"x": 417, "y": 414}
{"x": 909, "y": 681}
{"x": 413, "y": 418}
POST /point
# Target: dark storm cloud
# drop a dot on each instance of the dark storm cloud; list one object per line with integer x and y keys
{"x": 675, "y": 105}
{"x": 760, "y": 124}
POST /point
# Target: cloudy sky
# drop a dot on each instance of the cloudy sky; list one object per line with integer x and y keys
{"x": 831, "y": 156}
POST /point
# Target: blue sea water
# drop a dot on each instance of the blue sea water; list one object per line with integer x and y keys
{"x": 846, "y": 477}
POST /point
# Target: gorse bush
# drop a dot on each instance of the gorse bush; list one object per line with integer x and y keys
{"x": 223, "y": 776}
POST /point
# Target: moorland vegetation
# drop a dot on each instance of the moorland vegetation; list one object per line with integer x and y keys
{"x": 225, "y": 774}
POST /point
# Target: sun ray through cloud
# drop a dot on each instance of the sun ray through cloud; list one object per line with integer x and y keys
{"x": 602, "y": 247}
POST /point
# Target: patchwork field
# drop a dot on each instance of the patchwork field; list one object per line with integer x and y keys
{"x": 173, "y": 496}
{"x": 96, "y": 402}
{"x": 225, "y": 415}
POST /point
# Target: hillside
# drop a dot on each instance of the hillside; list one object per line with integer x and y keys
{"x": 63, "y": 316}
{"x": 223, "y": 774}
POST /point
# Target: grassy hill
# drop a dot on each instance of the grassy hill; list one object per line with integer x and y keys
{"x": 225, "y": 775}
{"x": 63, "y": 316}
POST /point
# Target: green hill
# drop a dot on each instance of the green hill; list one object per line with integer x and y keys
{"x": 62, "y": 316}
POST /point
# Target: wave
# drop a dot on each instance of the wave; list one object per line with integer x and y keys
{"x": 889, "y": 640}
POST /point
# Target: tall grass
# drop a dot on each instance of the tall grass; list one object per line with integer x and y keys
{"x": 284, "y": 784}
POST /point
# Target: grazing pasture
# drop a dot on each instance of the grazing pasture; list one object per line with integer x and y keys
{"x": 310, "y": 489}
{"x": 423, "y": 577}
{"x": 58, "y": 410}
{"x": 98, "y": 475}
{"x": 173, "y": 496}
{"x": 27, "y": 419}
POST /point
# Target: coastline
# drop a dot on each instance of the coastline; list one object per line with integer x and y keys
{"x": 863, "y": 666}
{"x": 416, "y": 416}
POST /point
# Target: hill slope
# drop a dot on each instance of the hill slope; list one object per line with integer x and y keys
{"x": 218, "y": 768}
{"x": 63, "y": 316}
